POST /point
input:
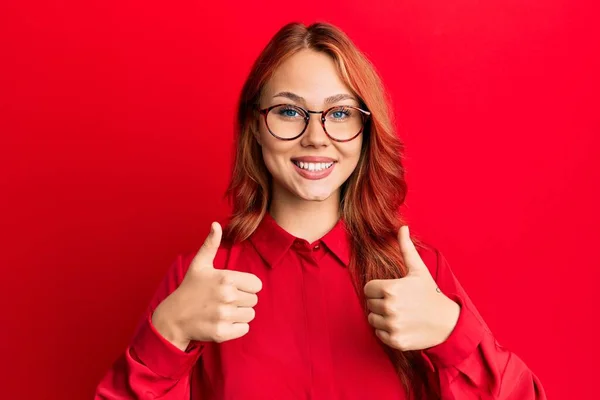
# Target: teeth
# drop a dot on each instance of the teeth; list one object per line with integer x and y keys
{"x": 313, "y": 166}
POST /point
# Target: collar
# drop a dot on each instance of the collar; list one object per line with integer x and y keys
{"x": 272, "y": 241}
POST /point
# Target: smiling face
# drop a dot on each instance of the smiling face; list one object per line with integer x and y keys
{"x": 313, "y": 166}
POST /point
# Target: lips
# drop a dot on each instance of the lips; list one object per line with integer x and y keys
{"x": 314, "y": 170}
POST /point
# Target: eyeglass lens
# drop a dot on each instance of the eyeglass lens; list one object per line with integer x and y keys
{"x": 287, "y": 121}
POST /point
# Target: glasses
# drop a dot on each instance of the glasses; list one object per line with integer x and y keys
{"x": 340, "y": 123}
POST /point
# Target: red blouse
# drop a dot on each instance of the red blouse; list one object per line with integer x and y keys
{"x": 310, "y": 338}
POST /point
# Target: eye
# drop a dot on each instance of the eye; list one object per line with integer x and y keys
{"x": 289, "y": 112}
{"x": 340, "y": 113}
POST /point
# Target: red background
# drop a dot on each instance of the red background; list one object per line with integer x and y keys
{"x": 116, "y": 132}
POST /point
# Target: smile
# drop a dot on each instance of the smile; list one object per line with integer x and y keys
{"x": 313, "y": 170}
{"x": 308, "y": 166}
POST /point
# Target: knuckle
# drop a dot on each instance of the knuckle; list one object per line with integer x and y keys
{"x": 223, "y": 313}
{"x": 389, "y": 290}
{"x": 391, "y": 325}
{"x": 397, "y": 341}
{"x": 226, "y": 294}
{"x": 220, "y": 333}
{"x": 225, "y": 279}
{"x": 388, "y": 308}
{"x": 403, "y": 342}
{"x": 395, "y": 325}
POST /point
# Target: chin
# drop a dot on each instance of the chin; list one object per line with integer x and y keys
{"x": 315, "y": 196}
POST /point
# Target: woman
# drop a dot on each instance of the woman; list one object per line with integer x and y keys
{"x": 316, "y": 290}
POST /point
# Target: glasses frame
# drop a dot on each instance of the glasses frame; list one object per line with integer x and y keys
{"x": 364, "y": 114}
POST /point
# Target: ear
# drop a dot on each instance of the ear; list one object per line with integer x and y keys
{"x": 254, "y": 127}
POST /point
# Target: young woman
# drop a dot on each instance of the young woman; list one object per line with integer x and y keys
{"x": 314, "y": 289}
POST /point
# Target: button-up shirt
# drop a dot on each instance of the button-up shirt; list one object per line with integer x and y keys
{"x": 310, "y": 338}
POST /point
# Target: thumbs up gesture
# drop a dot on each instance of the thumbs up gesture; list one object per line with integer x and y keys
{"x": 410, "y": 313}
{"x": 210, "y": 304}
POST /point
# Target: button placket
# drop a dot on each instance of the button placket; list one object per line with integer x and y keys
{"x": 313, "y": 252}
{"x": 316, "y": 318}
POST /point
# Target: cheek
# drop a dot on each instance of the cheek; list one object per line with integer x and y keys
{"x": 270, "y": 162}
{"x": 274, "y": 153}
{"x": 351, "y": 157}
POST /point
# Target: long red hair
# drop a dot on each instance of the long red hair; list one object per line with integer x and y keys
{"x": 372, "y": 195}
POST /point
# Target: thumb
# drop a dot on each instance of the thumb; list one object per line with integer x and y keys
{"x": 208, "y": 251}
{"x": 411, "y": 257}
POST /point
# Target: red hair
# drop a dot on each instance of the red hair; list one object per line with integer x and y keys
{"x": 371, "y": 196}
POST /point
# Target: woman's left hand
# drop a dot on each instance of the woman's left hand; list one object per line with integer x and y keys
{"x": 410, "y": 313}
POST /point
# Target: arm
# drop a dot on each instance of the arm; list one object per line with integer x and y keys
{"x": 151, "y": 367}
{"x": 470, "y": 363}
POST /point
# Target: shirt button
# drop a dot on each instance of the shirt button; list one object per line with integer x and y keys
{"x": 317, "y": 247}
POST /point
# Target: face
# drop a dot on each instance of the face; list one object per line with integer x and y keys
{"x": 312, "y": 167}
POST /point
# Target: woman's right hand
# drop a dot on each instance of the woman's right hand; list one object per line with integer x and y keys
{"x": 210, "y": 304}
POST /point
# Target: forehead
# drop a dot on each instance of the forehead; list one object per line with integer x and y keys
{"x": 309, "y": 74}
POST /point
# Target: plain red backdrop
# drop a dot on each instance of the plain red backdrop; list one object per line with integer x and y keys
{"x": 115, "y": 149}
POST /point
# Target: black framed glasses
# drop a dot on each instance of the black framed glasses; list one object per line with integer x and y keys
{"x": 340, "y": 123}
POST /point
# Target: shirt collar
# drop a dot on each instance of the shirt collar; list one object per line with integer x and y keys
{"x": 272, "y": 241}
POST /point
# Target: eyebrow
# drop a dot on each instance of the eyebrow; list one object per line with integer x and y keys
{"x": 329, "y": 100}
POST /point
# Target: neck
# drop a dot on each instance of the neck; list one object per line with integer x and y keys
{"x": 305, "y": 219}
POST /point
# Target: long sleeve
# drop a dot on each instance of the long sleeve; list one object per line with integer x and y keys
{"x": 151, "y": 367}
{"x": 471, "y": 364}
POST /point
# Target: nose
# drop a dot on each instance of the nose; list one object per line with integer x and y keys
{"x": 315, "y": 134}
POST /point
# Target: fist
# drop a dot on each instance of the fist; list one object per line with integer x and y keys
{"x": 410, "y": 313}
{"x": 210, "y": 304}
